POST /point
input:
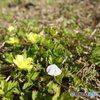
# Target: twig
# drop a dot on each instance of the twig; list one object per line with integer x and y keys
{"x": 7, "y": 79}
{"x": 93, "y": 33}
{"x": 2, "y": 45}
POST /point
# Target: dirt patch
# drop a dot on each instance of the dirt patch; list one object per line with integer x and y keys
{"x": 48, "y": 13}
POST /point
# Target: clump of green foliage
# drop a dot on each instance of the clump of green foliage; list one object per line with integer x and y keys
{"x": 55, "y": 46}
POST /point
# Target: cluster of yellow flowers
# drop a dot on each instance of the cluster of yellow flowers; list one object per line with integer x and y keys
{"x": 21, "y": 62}
{"x": 32, "y": 37}
{"x": 12, "y": 39}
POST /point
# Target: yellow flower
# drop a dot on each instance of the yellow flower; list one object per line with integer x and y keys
{"x": 22, "y": 63}
{"x": 33, "y": 38}
{"x": 12, "y": 40}
{"x": 11, "y": 28}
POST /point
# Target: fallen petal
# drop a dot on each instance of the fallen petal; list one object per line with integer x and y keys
{"x": 53, "y": 70}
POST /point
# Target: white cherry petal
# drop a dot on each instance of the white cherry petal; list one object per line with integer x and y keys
{"x": 53, "y": 70}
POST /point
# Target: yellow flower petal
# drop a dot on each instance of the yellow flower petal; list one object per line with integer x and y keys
{"x": 12, "y": 40}
{"x": 15, "y": 61}
{"x": 11, "y": 28}
{"x": 22, "y": 63}
{"x": 28, "y": 60}
{"x": 33, "y": 38}
{"x": 20, "y": 58}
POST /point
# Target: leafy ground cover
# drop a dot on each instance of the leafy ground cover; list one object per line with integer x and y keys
{"x": 35, "y": 34}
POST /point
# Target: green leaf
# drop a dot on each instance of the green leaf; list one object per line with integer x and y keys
{"x": 9, "y": 95}
{"x": 8, "y": 86}
{"x": 35, "y": 76}
{"x": 53, "y": 88}
{"x": 9, "y": 57}
{"x": 11, "y": 85}
{"x": 36, "y": 95}
{"x": 6, "y": 98}
{"x": 26, "y": 85}
{"x": 96, "y": 55}
{"x": 17, "y": 90}
{"x": 21, "y": 31}
{"x": 1, "y": 92}
{"x": 50, "y": 59}
{"x": 58, "y": 78}
{"x": 76, "y": 81}
{"x": 2, "y": 77}
{"x": 25, "y": 54}
{"x": 79, "y": 49}
{"x": 21, "y": 98}
{"x": 4, "y": 86}
{"x": 66, "y": 96}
